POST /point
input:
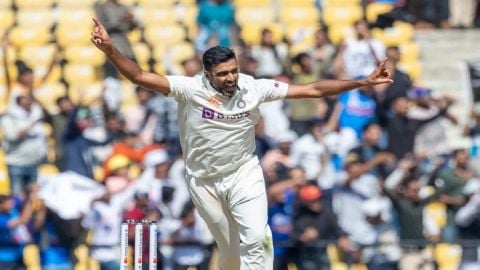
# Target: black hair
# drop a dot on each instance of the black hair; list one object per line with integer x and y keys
{"x": 61, "y": 99}
{"x": 216, "y": 55}
{"x": 22, "y": 68}
{"x": 368, "y": 125}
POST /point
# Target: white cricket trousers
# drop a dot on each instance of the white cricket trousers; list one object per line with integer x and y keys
{"x": 234, "y": 206}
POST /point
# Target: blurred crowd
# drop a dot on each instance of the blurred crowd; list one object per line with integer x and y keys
{"x": 359, "y": 178}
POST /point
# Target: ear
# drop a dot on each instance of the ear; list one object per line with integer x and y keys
{"x": 207, "y": 74}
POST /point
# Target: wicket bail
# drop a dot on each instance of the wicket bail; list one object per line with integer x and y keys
{"x": 152, "y": 244}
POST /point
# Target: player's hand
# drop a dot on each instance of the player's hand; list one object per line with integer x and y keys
{"x": 100, "y": 37}
{"x": 380, "y": 75}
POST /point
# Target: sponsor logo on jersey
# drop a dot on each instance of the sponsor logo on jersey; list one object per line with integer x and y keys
{"x": 211, "y": 114}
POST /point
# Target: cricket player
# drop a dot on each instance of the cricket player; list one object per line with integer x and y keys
{"x": 217, "y": 113}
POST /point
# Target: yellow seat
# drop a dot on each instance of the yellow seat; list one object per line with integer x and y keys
{"x": 47, "y": 95}
{"x": 89, "y": 92}
{"x": 333, "y": 254}
{"x": 339, "y": 266}
{"x": 329, "y": 3}
{"x": 342, "y": 14}
{"x": 188, "y": 16}
{"x": 13, "y": 75}
{"x": 4, "y": 180}
{"x": 251, "y": 3}
{"x": 308, "y": 16}
{"x": 79, "y": 75}
{"x": 188, "y": 2}
{"x": 35, "y": 18}
{"x": 22, "y": 36}
{"x": 159, "y": 68}
{"x": 437, "y": 211}
{"x": 54, "y": 76}
{"x": 33, "y": 4}
{"x": 181, "y": 51}
{"x": 4, "y": 4}
{"x": 254, "y": 15}
{"x": 48, "y": 169}
{"x": 297, "y": 3}
{"x": 410, "y": 51}
{"x": 374, "y": 9}
{"x": 31, "y": 257}
{"x": 157, "y": 3}
{"x": 339, "y": 33}
{"x": 74, "y": 17}
{"x": 12, "y": 56}
{"x": 88, "y": 55}
{"x": 251, "y": 32}
{"x": 448, "y": 256}
{"x": 396, "y": 35}
{"x": 76, "y": 3}
{"x": 158, "y": 17}
{"x": 142, "y": 52}
{"x": 166, "y": 35}
{"x": 129, "y": 3}
{"x": 134, "y": 36}
{"x": 73, "y": 36}
{"x": 412, "y": 68}
{"x": 7, "y": 18}
{"x": 35, "y": 56}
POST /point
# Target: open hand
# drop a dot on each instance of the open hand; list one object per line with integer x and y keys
{"x": 100, "y": 37}
{"x": 380, "y": 75}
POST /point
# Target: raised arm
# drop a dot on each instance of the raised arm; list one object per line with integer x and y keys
{"x": 334, "y": 87}
{"x": 5, "y": 63}
{"x": 128, "y": 68}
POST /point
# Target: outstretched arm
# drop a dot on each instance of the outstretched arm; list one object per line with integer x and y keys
{"x": 128, "y": 68}
{"x": 334, "y": 87}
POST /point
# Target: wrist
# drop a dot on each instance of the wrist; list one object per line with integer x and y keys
{"x": 362, "y": 82}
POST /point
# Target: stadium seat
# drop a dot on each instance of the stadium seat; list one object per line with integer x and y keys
{"x": 89, "y": 92}
{"x": 188, "y": 2}
{"x": 251, "y": 3}
{"x": 54, "y": 76}
{"x": 297, "y": 3}
{"x": 410, "y": 51}
{"x": 412, "y": 68}
{"x": 22, "y": 36}
{"x": 188, "y": 16}
{"x": 251, "y": 32}
{"x": 12, "y": 55}
{"x": 35, "y": 18}
{"x": 157, "y": 17}
{"x": 73, "y": 36}
{"x": 33, "y": 4}
{"x": 159, "y": 68}
{"x": 261, "y": 15}
{"x": 47, "y": 95}
{"x": 142, "y": 52}
{"x": 339, "y": 33}
{"x": 76, "y": 17}
{"x": 448, "y": 256}
{"x": 333, "y": 254}
{"x": 31, "y": 257}
{"x": 342, "y": 14}
{"x": 13, "y": 75}
{"x": 129, "y": 2}
{"x": 76, "y": 3}
{"x": 374, "y": 9}
{"x": 165, "y": 35}
{"x": 88, "y": 55}
{"x": 329, "y": 3}
{"x": 305, "y": 16}
{"x": 135, "y": 36}
{"x": 181, "y": 51}
{"x": 339, "y": 266}
{"x": 3, "y": 107}
{"x": 7, "y": 18}
{"x": 157, "y": 3}
{"x": 4, "y": 4}
{"x": 396, "y": 35}
{"x": 79, "y": 75}
{"x": 35, "y": 56}
{"x": 4, "y": 181}
{"x": 438, "y": 212}
{"x": 48, "y": 169}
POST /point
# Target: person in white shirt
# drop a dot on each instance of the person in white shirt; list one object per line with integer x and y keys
{"x": 217, "y": 114}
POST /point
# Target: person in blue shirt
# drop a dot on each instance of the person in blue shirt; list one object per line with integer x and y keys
{"x": 13, "y": 234}
{"x": 357, "y": 108}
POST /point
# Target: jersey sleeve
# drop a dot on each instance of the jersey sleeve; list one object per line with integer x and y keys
{"x": 181, "y": 87}
{"x": 271, "y": 90}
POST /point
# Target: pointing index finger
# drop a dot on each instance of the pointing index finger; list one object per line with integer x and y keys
{"x": 384, "y": 61}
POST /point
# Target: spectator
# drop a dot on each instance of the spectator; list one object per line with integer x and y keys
{"x": 313, "y": 222}
{"x": 403, "y": 188}
{"x": 24, "y": 142}
{"x": 382, "y": 251}
{"x": 375, "y": 159}
{"x": 191, "y": 67}
{"x": 187, "y": 239}
{"x": 269, "y": 55}
{"x": 59, "y": 123}
{"x": 263, "y": 143}
{"x": 402, "y": 128}
{"x": 248, "y": 65}
{"x": 300, "y": 111}
{"x": 360, "y": 55}
{"x": 136, "y": 119}
{"x": 281, "y": 198}
{"x": 13, "y": 234}
{"x": 450, "y": 184}
{"x": 78, "y": 156}
{"x": 322, "y": 53}
{"x": 357, "y": 108}
{"x": 434, "y": 13}
{"x": 277, "y": 161}
{"x": 468, "y": 220}
{"x": 400, "y": 86}
{"x": 118, "y": 21}
{"x": 216, "y": 20}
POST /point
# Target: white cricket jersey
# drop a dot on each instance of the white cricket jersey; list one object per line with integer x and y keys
{"x": 216, "y": 131}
